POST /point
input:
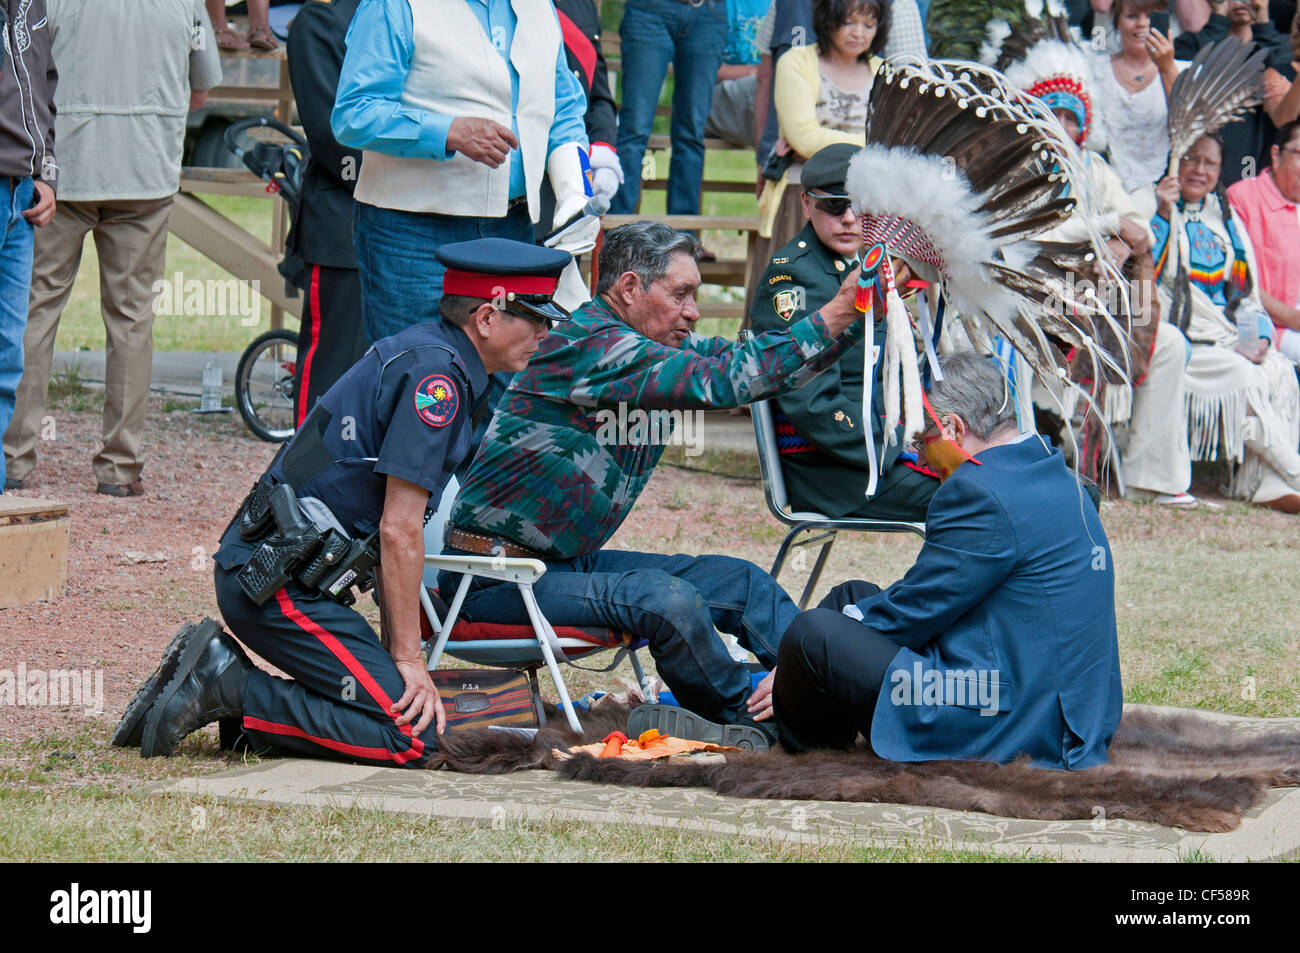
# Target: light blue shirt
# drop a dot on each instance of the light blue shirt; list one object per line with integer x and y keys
{"x": 368, "y": 109}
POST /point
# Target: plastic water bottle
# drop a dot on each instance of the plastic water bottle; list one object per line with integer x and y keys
{"x": 1248, "y": 315}
{"x": 210, "y": 396}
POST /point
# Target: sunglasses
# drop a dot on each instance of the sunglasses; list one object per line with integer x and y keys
{"x": 832, "y": 206}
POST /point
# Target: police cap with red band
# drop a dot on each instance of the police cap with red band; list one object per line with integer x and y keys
{"x": 515, "y": 276}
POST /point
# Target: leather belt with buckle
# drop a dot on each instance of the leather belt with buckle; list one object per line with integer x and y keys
{"x": 482, "y": 545}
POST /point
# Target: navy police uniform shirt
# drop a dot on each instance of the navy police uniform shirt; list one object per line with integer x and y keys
{"x": 406, "y": 409}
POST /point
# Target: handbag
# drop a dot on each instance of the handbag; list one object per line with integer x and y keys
{"x": 482, "y": 697}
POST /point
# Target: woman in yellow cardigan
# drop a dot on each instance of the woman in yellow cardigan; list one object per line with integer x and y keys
{"x": 820, "y": 91}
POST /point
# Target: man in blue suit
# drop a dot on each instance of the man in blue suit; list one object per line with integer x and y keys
{"x": 999, "y": 641}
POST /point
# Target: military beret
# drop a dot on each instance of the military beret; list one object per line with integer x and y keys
{"x": 827, "y": 169}
{"x": 523, "y": 275}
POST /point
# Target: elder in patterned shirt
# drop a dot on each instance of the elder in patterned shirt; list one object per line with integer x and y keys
{"x": 576, "y": 437}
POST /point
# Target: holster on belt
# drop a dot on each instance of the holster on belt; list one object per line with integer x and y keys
{"x": 326, "y": 559}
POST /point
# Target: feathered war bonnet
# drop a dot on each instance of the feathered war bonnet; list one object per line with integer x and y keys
{"x": 1041, "y": 58}
{"x": 1056, "y": 73}
{"x": 961, "y": 171}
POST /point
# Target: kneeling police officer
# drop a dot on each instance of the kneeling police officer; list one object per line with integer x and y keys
{"x": 352, "y": 491}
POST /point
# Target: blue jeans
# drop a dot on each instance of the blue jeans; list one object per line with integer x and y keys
{"x": 692, "y": 38}
{"x": 674, "y": 602}
{"x": 15, "y": 286}
{"x": 401, "y": 280}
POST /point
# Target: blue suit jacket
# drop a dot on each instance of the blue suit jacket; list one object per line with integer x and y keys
{"x": 1006, "y": 622}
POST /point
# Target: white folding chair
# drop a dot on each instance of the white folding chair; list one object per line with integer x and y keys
{"x": 524, "y": 646}
{"x": 823, "y": 527}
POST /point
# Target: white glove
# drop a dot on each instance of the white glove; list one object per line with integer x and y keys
{"x": 606, "y": 171}
{"x": 566, "y": 169}
{"x": 579, "y": 238}
{"x": 571, "y": 293}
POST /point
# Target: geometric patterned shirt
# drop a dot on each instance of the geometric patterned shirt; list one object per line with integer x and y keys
{"x": 577, "y": 435}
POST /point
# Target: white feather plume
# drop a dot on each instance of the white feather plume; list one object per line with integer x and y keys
{"x": 996, "y": 33}
{"x": 935, "y": 194}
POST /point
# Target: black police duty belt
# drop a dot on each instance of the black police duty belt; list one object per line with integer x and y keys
{"x": 301, "y": 539}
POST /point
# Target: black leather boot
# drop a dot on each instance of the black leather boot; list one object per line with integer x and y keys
{"x": 208, "y": 686}
{"x": 130, "y": 730}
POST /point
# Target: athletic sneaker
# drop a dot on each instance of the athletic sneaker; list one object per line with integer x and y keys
{"x": 680, "y": 723}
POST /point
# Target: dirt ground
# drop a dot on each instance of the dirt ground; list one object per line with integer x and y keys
{"x": 137, "y": 567}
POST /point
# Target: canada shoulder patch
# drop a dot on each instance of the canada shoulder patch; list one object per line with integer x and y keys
{"x": 776, "y": 279}
{"x": 785, "y": 303}
{"x": 437, "y": 400}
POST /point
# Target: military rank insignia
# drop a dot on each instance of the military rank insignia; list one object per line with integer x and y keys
{"x": 436, "y": 400}
{"x": 784, "y": 304}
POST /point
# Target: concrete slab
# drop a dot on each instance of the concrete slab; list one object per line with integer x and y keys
{"x": 1269, "y": 831}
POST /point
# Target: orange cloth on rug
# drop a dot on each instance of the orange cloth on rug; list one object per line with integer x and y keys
{"x": 649, "y": 746}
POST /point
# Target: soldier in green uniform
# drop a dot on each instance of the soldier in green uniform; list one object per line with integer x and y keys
{"x": 819, "y": 427}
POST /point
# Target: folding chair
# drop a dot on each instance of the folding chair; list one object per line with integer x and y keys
{"x": 824, "y": 527}
{"x": 525, "y": 646}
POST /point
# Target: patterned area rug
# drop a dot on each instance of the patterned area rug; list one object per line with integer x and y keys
{"x": 1268, "y": 830}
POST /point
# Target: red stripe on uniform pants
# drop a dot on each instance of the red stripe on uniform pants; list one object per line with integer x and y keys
{"x": 314, "y": 308}
{"x": 356, "y": 668}
{"x": 356, "y": 751}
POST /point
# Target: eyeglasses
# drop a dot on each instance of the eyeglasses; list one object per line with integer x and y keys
{"x": 1209, "y": 165}
{"x": 832, "y": 205}
{"x": 1294, "y": 152}
{"x": 548, "y": 323}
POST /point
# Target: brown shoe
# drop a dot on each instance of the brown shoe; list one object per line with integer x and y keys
{"x": 1287, "y": 504}
{"x": 135, "y": 488}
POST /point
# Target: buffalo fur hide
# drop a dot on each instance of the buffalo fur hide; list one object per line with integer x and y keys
{"x": 1170, "y": 769}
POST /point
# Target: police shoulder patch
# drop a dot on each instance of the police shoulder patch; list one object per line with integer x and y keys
{"x": 775, "y": 278}
{"x": 437, "y": 400}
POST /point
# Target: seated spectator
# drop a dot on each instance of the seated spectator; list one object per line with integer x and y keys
{"x": 1157, "y": 460}
{"x": 1000, "y": 641}
{"x": 1242, "y": 396}
{"x": 821, "y": 92}
{"x": 1266, "y": 205}
{"x": 259, "y": 37}
{"x": 732, "y": 115}
{"x": 1128, "y": 95}
{"x": 1097, "y": 29}
{"x": 788, "y": 24}
{"x": 906, "y": 30}
{"x": 820, "y": 431}
{"x": 1246, "y": 140}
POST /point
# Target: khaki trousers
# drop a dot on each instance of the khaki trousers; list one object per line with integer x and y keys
{"x": 131, "y": 242}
